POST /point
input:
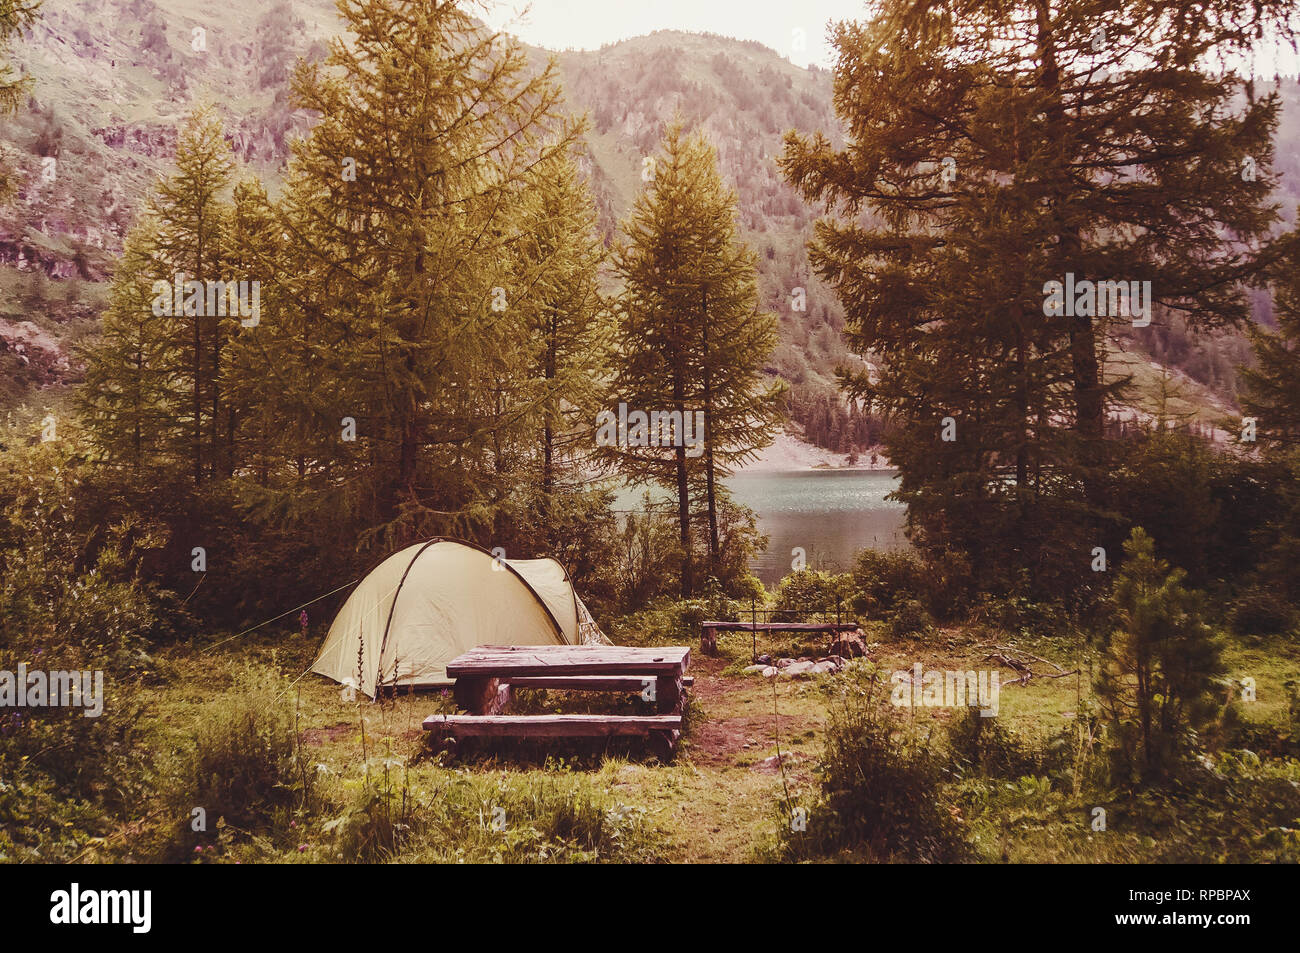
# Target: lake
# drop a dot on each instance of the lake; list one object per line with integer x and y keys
{"x": 831, "y": 514}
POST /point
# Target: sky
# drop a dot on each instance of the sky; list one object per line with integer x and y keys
{"x": 794, "y": 28}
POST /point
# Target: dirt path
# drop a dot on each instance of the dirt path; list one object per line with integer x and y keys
{"x": 740, "y": 724}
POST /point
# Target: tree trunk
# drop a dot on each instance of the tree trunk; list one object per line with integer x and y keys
{"x": 709, "y": 492}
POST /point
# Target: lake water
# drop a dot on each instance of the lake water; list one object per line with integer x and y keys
{"x": 831, "y": 514}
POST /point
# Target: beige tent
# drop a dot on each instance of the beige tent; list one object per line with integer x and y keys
{"x": 428, "y": 603}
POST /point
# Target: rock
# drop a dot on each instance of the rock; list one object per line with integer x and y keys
{"x": 763, "y": 660}
{"x": 771, "y": 672}
{"x": 752, "y": 669}
{"x": 798, "y": 668}
{"x": 824, "y": 667}
{"x": 849, "y": 645}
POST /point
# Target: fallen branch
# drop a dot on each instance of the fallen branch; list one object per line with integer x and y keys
{"x": 1025, "y": 670}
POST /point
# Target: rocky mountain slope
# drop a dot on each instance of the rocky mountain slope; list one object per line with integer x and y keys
{"x": 112, "y": 78}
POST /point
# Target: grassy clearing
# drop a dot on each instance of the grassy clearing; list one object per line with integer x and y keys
{"x": 376, "y": 793}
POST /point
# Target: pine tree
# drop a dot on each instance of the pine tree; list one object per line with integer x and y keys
{"x": 156, "y": 397}
{"x": 189, "y": 214}
{"x": 402, "y": 209}
{"x": 1271, "y": 390}
{"x": 15, "y": 16}
{"x": 130, "y": 406}
{"x": 1271, "y": 394}
{"x": 569, "y": 320}
{"x": 692, "y": 341}
{"x": 994, "y": 149}
{"x": 1161, "y": 663}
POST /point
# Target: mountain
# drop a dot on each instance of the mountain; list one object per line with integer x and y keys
{"x": 112, "y": 79}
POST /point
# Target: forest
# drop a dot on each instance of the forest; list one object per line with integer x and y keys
{"x": 438, "y": 315}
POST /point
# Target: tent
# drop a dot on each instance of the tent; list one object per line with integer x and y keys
{"x": 423, "y": 606}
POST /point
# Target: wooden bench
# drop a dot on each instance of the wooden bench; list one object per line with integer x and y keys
{"x": 486, "y": 675}
{"x": 661, "y": 730}
{"x": 709, "y": 630}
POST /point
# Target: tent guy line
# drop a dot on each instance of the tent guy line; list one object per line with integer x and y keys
{"x": 281, "y": 615}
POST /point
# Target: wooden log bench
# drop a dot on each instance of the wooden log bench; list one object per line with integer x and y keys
{"x": 662, "y": 731}
{"x": 486, "y": 675}
{"x": 709, "y": 630}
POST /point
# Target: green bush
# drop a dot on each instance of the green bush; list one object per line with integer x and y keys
{"x": 986, "y": 746}
{"x": 880, "y": 789}
{"x": 881, "y": 580}
{"x": 71, "y": 600}
{"x": 910, "y": 618}
{"x": 668, "y": 621}
{"x": 243, "y": 766}
{"x": 808, "y": 592}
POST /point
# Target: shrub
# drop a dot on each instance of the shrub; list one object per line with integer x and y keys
{"x": 940, "y": 581}
{"x": 880, "y": 579}
{"x": 243, "y": 766}
{"x": 986, "y": 746}
{"x": 70, "y": 601}
{"x": 879, "y": 791}
{"x": 810, "y": 592}
{"x": 668, "y": 621}
{"x": 910, "y": 618}
{"x": 1157, "y": 678}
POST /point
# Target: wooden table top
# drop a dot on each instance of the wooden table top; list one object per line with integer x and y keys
{"x": 489, "y": 661}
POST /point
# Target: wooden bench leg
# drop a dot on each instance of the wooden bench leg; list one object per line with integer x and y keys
{"x": 708, "y": 640}
{"x": 482, "y": 696}
{"x": 669, "y": 694}
{"x": 663, "y": 745}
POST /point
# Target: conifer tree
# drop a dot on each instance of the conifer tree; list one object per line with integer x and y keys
{"x": 993, "y": 149}
{"x": 692, "y": 341}
{"x": 1158, "y": 674}
{"x": 157, "y": 370}
{"x": 568, "y": 319}
{"x": 1271, "y": 395}
{"x": 1272, "y": 388}
{"x": 402, "y": 208}
{"x": 189, "y": 214}
{"x": 129, "y": 403}
{"x": 15, "y": 16}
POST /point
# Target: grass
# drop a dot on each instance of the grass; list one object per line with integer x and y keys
{"x": 379, "y": 794}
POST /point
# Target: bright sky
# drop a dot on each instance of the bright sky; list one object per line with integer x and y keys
{"x": 794, "y": 28}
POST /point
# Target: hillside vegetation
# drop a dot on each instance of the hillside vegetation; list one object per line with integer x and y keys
{"x": 113, "y": 78}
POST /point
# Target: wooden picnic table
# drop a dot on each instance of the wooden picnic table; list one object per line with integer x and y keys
{"x": 485, "y": 677}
